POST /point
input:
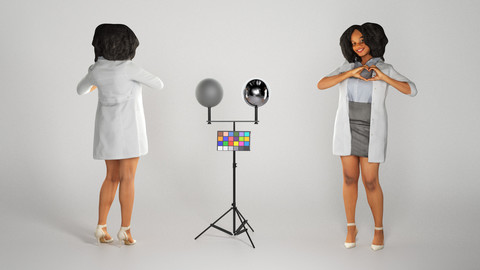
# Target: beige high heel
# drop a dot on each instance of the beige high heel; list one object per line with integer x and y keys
{"x": 354, "y": 244}
{"x": 377, "y": 247}
{"x": 122, "y": 236}
{"x": 100, "y": 234}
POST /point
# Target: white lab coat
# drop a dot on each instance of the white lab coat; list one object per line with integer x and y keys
{"x": 120, "y": 130}
{"x": 378, "y": 120}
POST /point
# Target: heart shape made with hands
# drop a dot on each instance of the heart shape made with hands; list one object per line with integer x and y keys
{"x": 367, "y": 73}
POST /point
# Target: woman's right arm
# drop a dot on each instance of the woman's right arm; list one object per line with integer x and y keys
{"x": 329, "y": 81}
{"x": 86, "y": 85}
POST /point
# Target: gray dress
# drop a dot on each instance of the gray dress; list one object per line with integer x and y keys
{"x": 120, "y": 130}
{"x": 359, "y": 114}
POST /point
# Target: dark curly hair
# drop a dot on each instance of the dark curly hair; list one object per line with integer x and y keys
{"x": 114, "y": 42}
{"x": 373, "y": 36}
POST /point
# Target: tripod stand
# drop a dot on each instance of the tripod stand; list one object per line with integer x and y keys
{"x": 242, "y": 228}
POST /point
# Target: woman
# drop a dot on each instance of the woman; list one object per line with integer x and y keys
{"x": 360, "y": 133}
{"x": 120, "y": 134}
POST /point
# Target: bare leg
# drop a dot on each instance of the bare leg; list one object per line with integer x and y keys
{"x": 351, "y": 172}
{"x": 374, "y": 195}
{"x": 107, "y": 193}
{"x": 127, "y": 170}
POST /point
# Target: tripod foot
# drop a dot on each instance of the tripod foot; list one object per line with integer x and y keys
{"x": 241, "y": 229}
{"x": 216, "y": 227}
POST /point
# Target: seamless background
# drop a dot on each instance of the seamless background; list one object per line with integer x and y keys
{"x": 289, "y": 185}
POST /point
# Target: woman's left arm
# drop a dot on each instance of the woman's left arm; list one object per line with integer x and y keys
{"x": 142, "y": 76}
{"x": 397, "y": 80}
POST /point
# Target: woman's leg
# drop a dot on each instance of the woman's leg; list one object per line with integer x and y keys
{"x": 127, "y": 170}
{"x": 351, "y": 171}
{"x": 374, "y": 195}
{"x": 107, "y": 193}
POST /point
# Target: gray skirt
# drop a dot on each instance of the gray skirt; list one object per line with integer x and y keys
{"x": 359, "y": 114}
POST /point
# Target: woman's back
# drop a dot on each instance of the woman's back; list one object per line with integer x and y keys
{"x": 114, "y": 81}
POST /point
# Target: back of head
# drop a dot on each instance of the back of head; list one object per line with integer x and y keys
{"x": 114, "y": 42}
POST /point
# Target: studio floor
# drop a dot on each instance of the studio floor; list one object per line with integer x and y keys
{"x": 62, "y": 238}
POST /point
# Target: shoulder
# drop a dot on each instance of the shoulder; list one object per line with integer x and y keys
{"x": 383, "y": 65}
{"x": 347, "y": 65}
{"x": 132, "y": 67}
{"x": 92, "y": 67}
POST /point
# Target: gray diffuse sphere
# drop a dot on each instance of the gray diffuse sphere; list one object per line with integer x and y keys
{"x": 209, "y": 93}
{"x": 256, "y": 93}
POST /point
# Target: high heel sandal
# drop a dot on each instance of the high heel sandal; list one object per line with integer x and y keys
{"x": 377, "y": 247}
{"x": 100, "y": 234}
{"x": 354, "y": 244}
{"x": 122, "y": 236}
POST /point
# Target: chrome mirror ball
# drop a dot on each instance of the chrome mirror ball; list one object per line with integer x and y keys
{"x": 256, "y": 93}
{"x": 209, "y": 93}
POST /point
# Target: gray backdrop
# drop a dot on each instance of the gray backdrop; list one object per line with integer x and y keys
{"x": 289, "y": 185}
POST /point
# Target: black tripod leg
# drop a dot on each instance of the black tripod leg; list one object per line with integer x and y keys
{"x": 241, "y": 217}
{"x": 213, "y": 224}
{"x": 243, "y": 222}
{"x": 251, "y": 242}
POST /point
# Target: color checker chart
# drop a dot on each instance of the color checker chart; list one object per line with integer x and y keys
{"x": 233, "y": 140}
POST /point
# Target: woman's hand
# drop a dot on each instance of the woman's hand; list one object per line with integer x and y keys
{"x": 379, "y": 75}
{"x": 403, "y": 87}
{"x": 356, "y": 72}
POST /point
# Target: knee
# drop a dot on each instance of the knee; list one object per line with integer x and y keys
{"x": 350, "y": 179}
{"x": 112, "y": 178}
{"x": 371, "y": 183}
{"x": 126, "y": 177}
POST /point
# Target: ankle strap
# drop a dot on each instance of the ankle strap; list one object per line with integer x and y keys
{"x": 378, "y": 228}
{"x": 125, "y": 228}
{"x": 351, "y": 224}
{"x": 101, "y": 226}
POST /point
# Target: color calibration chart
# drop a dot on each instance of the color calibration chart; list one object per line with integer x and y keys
{"x": 233, "y": 140}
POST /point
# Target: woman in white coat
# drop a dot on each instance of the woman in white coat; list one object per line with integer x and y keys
{"x": 360, "y": 132}
{"x": 120, "y": 134}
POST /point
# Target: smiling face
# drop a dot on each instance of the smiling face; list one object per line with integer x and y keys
{"x": 358, "y": 45}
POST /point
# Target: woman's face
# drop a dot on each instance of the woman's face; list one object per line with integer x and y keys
{"x": 358, "y": 45}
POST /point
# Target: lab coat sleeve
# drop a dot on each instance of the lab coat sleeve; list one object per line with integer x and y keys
{"x": 399, "y": 77}
{"x": 86, "y": 84}
{"x": 142, "y": 76}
